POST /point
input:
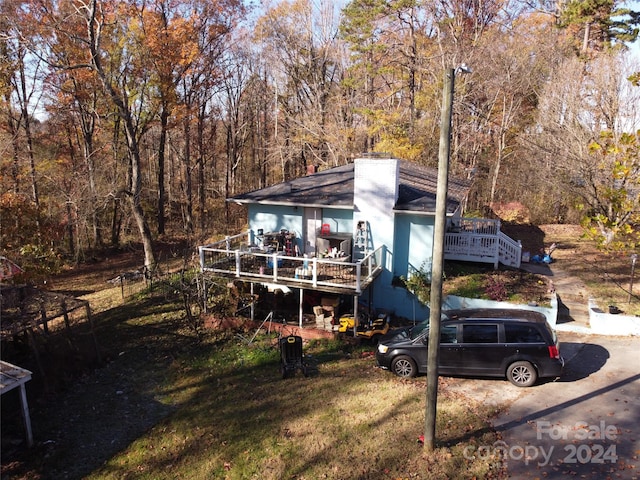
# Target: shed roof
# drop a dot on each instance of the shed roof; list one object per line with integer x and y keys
{"x": 334, "y": 188}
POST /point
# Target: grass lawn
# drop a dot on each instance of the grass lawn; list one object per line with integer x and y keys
{"x": 171, "y": 405}
{"x": 238, "y": 419}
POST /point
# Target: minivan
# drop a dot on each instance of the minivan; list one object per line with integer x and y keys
{"x": 516, "y": 344}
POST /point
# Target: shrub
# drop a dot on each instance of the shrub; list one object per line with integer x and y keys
{"x": 495, "y": 289}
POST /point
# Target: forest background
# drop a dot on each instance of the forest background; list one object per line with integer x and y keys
{"x": 130, "y": 120}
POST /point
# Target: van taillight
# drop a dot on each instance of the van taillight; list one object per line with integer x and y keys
{"x": 553, "y": 352}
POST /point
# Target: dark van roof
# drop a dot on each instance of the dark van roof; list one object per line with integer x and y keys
{"x": 495, "y": 314}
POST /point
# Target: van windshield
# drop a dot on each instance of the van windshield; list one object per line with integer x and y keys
{"x": 416, "y": 331}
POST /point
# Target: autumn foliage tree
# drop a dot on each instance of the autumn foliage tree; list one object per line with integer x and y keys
{"x": 123, "y": 118}
{"x": 612, "y": 198}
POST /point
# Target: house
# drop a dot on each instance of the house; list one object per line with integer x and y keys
{"x": 352, "y": 230}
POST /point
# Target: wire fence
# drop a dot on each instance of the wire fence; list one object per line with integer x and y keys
{"x": 157, "y": 281}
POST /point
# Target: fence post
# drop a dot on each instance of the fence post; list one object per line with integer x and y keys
{"x": 67, "y": 324}
{"x": 65, "y": 315}
{"x": 43, "y": 314}
{"x": 33, "y": 343}
{"x": 93, "y": 333}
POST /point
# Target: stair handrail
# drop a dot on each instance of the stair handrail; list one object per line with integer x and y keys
{"x": 509, "y": 250}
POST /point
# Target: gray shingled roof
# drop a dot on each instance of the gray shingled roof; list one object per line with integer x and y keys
{"x": 334, "y": 188}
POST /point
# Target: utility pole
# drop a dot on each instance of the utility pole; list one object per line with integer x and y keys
{"x": 437, "y": 267}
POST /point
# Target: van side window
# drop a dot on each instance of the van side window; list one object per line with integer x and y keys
{"x": 521, "y": 334}
{"x": 480, "y": 333}
{"x": 448, "y": 334}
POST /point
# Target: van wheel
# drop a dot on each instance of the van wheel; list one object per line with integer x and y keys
{"x": 522, "y": 374}
{"x": 404, "y": 366}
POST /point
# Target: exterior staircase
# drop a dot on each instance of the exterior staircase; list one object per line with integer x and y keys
{"x": 480, "y": 240}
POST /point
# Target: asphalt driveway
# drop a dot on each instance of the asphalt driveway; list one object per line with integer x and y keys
{"x": 585, "y": 424}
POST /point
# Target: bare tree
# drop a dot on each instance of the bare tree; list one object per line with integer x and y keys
{"x": 98, "y": 17}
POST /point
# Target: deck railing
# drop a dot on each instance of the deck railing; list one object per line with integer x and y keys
{"x": 480, "y": 240}
{"x": 509, "y": 250}
{"x": 471, "y": 240}
{"x": 234, "y": 257}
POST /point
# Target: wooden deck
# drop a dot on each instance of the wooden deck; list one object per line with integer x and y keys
{"x": 335, "y": 275}
{"x": 471, "y": 240}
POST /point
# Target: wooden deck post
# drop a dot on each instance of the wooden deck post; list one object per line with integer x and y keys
{"x": 201, "y": 256}
{"x": 274, "y": 264}
{"x": 314, "y": 270}
{"x": 300, "y": 315}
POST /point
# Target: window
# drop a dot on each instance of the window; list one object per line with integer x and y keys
{"x": 417, "y": 330}
{"x": 448, "y": 334}
{"x": 522, "y": 334}
{"x": 480, "y": 333}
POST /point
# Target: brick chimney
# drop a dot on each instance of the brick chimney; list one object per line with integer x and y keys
{"x": 311, "y": 169}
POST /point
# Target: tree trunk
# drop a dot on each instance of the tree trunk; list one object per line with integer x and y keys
{"x": 116, "y": 223}
{"x": 585, "y": 39}
{"x": 164, "y": 120}
{"x": 135, "y": 195}
{"x": 26, "y": 120}
{"x": 201, "y": 161}
{"x": 188, "y": 191}
{"x": 133, "y": 146}
{"x": 12, "y": 127}
{"x": 87, "y": 123}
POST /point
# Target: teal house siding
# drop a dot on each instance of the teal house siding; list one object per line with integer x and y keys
{"x": 273, "y": 218}
{"x": 413, "y": 244}
{"x": 420, "y": 235}
{"x": 339, "y": 220}
{"x": 412, "y": 251}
